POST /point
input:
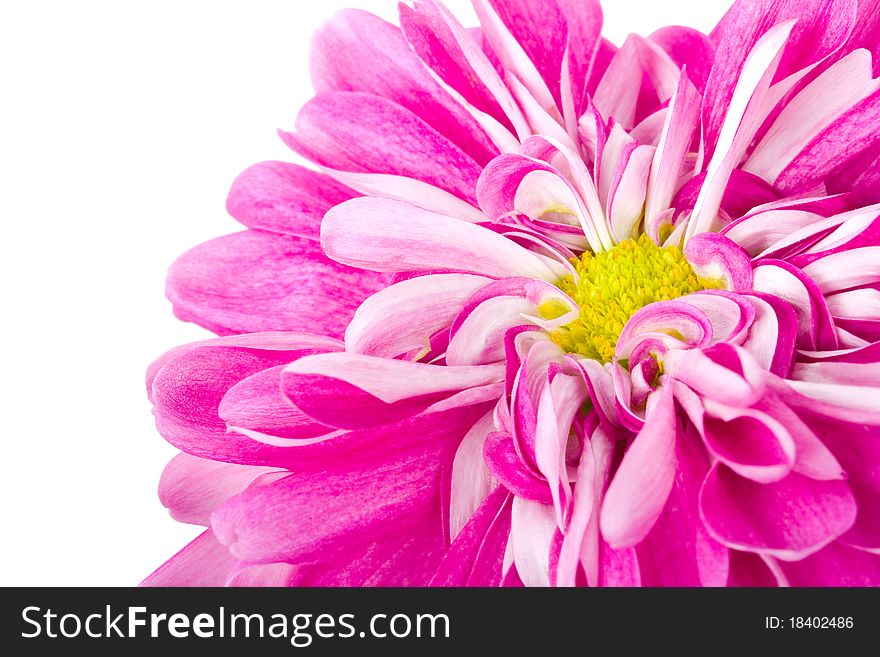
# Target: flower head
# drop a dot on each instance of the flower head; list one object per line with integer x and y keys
{"x": 625, "y": 315}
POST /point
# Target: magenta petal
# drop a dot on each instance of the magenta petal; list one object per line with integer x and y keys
{"x": 835, "y": 565}
{"x": 364, "y": 133}
{"x": 507, "y": 467}
{"x": 789, "y": 518}
{"x": 857, "y": 447}
{"x": 357, "y": 51}
{"x": 490, "y": 524}
{"x": 822, "y": 27}
{"x": 351, "y": 500}
{"x": 749, "y": 569}
{"x": 259, "y": 281}
{"x": 186, "y": 387}
{"x": 284, "y": 198}
{"x": 353, "y": 391}
{"x": 677, "y": 551}
{"x": 204, "y": 562}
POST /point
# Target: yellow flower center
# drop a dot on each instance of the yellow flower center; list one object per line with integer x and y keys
{"x": 612, "y": 285}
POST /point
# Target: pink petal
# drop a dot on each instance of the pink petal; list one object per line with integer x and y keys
{"x": 386, "y": 235}
{"x": 833, "y": 92}
{"x": 821, "y": 28}
{"x": 642, "y": 483}
{"x": 835, "y": 565}
{"x": 357, "y": 51}
{"x": 675, "y": 142}
{"x": 284, "y": 198}
{"x": 361, "y": 132}
{"x": 191, "y": 488}
{"x": 470, "y": 481}
{"x": 689, "y": 49}
{"x": 531, "y": 533}
{"x": 255, "y": 405}
{"x": 258, "y": 281}
{"x": 204, "y": 562}
{"x": 489, "y": 523}
{"x": 354, "y": 391}
{"x": 743, "y": 98}
{"x": 186, "y": 387}
{"x": 402, "y": 318}
{"x": 507, "y": 467}
{"x": 789, "y": 519}
{"x": 714, "y": 256}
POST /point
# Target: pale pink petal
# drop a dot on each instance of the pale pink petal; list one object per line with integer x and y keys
{"x": 531, "y": 533}
{"x": 402, "y": 318}
{"x": 470, "y": 480}
{"x": 386, "y": 235}
{"x": 642, "y": 483}
{"x": 191, "y": 488}
{"x": 204, "y": 562}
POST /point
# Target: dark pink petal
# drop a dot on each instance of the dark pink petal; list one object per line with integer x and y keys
{"x": 689, "y": 49}
{"x": 541, "y": 29}
{"x": 751, "y": 443}
{"x": 678, "y": 551}
{"x": 258, "y": 281}
{"x": 388, "y": 490}
{"x": 204, "y": 562}
{"x": 284, "y": 198}
{"x": 490, "y": 524}
{"x": 191, "y": 487}
{"x": 584, "y": 18}
{"x": 358, "y": 51}
{"x": 507, "y": 467}
{"x": 360, "y": 132}
{"x": 744, "y": 192}
{"x": 841, "y": 141}
{"x": 186, "y": 387}
{"x": 430, "y": 36}
{"x": 790, "y": 518}
{"x": 392, "y": 236}
{"x": 835, "y": 565}
{"x": 857, "y": 447}
{"x": 749, "y": 569}
{"x": 773, "y": 333}
{"x": 354, "y": 391}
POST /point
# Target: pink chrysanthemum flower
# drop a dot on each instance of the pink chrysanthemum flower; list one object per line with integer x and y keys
{"x": 624, "y": 327}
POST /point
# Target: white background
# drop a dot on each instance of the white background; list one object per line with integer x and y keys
{"x": 122, "y": 125}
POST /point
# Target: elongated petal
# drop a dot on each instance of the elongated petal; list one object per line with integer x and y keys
{"x": 403, "y": 317}
{"x": 357, "y": 51}
{"x": 259, "y": 281}
{"x": 353, "y": 391}
{"x": 385, "y": 235}
{"x": 284, "y": 198}
{"x": 361, "y": 132}
{"x": 641, "y": 485}
{"x": 204, "y": 562}
{"x": 191, "y": 488}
